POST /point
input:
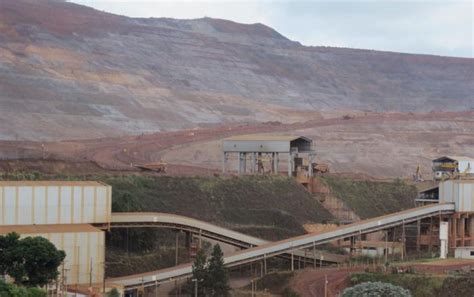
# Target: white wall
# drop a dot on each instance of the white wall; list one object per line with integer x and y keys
{"x": 55, "y": 204}
{"x": 466, "y": 166}
{"x": 80, "y": 249}
{"x": 461, "y": 192}
{"x": 464, "y": 253}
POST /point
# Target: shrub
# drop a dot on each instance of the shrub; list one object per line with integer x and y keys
{"x": 375, "y": 289}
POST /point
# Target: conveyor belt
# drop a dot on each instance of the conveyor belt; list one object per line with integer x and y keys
{"x": 292, "y": 244}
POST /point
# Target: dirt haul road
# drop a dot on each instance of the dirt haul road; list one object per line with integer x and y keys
{"x": 410, "y": 139}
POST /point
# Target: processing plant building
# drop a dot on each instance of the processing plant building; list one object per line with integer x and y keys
{"x": 63, "y": 212}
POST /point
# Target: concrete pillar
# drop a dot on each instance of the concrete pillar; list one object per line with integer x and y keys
{"x": 272, "y": 165}
{"x": 254, "y": 162}
{"x": 310, "y": 164}
{"x": 259, "y": 163}
{"x": 290, "y": 164}
{"x": 244, "y": 163}
{"x": 224, "y": 161}
{"x": 277, "y": 163}
{"x": 418, "y": 233}
{"x": 239, "y": 164}
{"x": 443, "y": 237}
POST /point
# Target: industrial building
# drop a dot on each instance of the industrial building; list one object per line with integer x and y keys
{"x": 263, "y": 154}
{"x": 62, "y": 212}
{"x": 452, "y": 166}
{"x": 83, "y": 244}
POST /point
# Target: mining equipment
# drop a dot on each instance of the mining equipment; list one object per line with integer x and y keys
{"x": 320, "y": 168}
{"x": 160, "y": 167}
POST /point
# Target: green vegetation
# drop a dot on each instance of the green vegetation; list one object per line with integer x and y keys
{"x": 370, "y": 198}
{"x": 272, "y": 207}
{"x": 210, "y": 276}
{"x": 217, "y": 280}
{"x": 418, "y": 285}
{"x": 114, "y": 293}
{"x": 457, "y": 286}
{"x": 251, "y": 204}
{"x": 11, "y": 290}
{"x": 375, "y": 289}
{"x": 31, "y": 261}
{"x": 422, "y": 285}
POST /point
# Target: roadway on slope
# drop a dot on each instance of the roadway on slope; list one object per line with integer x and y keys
{"x": 289, "y": 245}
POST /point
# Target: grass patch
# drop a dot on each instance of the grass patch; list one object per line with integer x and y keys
{"x": 370, "y": 198}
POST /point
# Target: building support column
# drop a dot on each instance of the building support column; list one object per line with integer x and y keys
{"x": 430, "y": 243}
{"x": 310, "y": 164}
{"x": 418, "y": 231}
{"x": 177, "y": 249}
{"x": 254, "y": 162}
{"x": 403, "y": 241}
{"x": 224, "y": 161}
{"x": 277, "y": 161}
{"x": 244, "y": 163}
{"x": 290, "y": 164}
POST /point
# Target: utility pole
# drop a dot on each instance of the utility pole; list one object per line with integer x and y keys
{"x": 103, "y": 279}
{"x": 195, "y": 280}
{"x": 90, "y": 275}
{"x": 326, "y": 285}
{"x": 403, "y": 241}
{"x": 314, "y": 255}
{"x": 177, "y": 242}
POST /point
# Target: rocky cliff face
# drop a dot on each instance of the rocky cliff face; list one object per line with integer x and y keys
{"x": 68, "y": 71}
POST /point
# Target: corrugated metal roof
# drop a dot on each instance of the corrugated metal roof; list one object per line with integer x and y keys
{"x": 454, "y": 158}
{"x": 50, "y": 183}
{"x": 265, "y": 137}
{"x": 41, "y": 229}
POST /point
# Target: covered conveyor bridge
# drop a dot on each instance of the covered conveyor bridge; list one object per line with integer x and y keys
{"x": 292, "y": 244}
{"x": 207, "y": 230}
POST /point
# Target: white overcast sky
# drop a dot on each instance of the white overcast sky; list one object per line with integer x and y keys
{"x": 439, "y": 27}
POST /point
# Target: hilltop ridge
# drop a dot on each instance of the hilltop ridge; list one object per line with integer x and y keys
{"x": 69, "y": 71}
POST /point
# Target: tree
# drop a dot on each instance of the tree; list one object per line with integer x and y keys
{"x": 31, "y": 261}
{"x": 7, "y": 242}
{"x": 375, "y": 289}
{"x": 217, "y": 277}
{"x": 199, "y": 272}
{"x": 10, "y": 290}
{"x": 114, "y": 293}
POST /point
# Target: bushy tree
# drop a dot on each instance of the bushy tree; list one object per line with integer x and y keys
{"x": 210, "y": 274}
{"x": 375, "y": 289}
{"x": 31, "y": 261}
{"x": 114, "y": 293}
{"x": 217, "y": 278}
{"x": 7, "y": 242}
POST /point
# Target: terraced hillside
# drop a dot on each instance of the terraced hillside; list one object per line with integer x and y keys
{"x": 69, "y": 71}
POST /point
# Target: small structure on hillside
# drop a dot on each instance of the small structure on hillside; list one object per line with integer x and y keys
{"x": 262, "y": 154}
{"x": 452, "y": 166}
{"x": 464, "y": 252}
